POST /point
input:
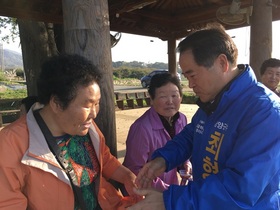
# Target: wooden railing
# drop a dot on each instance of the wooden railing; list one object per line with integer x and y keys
{"x": 132, "y": 99}
{"x": 128, "y": 99}
{"x": 8, "y": 112}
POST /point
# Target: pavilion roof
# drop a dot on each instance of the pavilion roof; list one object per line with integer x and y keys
{"x": 165, "y": 19}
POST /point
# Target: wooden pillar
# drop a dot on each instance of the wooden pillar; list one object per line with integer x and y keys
{"x": 87, "y": 33}
{"x": 172, "y": 56}
{"x": 36, "y": 46}
{"x": 261, "y": 35}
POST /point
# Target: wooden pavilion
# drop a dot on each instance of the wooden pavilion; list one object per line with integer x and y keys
{"x": 87, "y": 25}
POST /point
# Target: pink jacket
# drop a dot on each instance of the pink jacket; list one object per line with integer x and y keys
{"x": 146, "y": 135}
{"x": 31, "y": 178}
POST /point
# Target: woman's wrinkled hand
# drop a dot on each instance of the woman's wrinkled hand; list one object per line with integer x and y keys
{"x": 153, "y": 200}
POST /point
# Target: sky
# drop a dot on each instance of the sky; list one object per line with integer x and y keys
{"x": 150, "y": 49}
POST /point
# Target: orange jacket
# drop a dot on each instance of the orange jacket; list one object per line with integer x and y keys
{"x": 31, "y": 178}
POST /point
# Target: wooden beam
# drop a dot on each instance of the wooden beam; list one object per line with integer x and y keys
{"x": 32, "y": 10}
{"x": 128, "y": 6}
{"x": 33, "y": 16}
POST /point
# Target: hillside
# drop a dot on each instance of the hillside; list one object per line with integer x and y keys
{"x": 12, "y": 59}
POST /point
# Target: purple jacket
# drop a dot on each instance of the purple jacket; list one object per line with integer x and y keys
{"x": 146, "y": 135}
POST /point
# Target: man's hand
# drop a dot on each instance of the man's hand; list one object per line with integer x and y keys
{"x": 150, "y": 171}
{"x": 153, "y": 200}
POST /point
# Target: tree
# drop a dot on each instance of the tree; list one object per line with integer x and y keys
{"x": 20, "y": 73}
{"x": 6, "y": 22}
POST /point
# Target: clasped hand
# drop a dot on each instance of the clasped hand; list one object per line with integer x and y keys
{"x": 153, "y": 199}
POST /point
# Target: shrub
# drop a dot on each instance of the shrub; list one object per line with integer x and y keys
{"x": 20, "y": 73}
{"x": 127, "y": 72}
{"x": 189, "y": 98}
{"x": 2, "y": 76}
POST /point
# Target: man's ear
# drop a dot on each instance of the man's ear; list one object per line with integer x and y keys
{"x": 223, "y": 62}
{"x": 54, "y": 104}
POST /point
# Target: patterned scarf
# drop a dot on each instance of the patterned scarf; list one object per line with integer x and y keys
{"x": 78, "y": 151}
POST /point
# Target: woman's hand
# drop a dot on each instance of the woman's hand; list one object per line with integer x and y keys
{"x": 153, "y": 200}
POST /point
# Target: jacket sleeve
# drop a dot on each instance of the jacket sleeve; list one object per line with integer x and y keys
{"x": 11, "y": 174}
{"x": 250, "y": 178}
{"x": 138, "y": 151}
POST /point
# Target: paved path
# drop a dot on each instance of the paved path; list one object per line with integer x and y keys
{"x": 124, "y": 118}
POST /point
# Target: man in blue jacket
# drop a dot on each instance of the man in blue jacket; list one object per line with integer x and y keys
{"x": 233, "y": 139}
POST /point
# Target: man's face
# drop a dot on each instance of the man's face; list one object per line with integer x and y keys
{"x": 271, "y": 77}
{"x": 205, "y": 82}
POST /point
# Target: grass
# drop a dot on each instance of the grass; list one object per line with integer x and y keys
{"x": 13, "y": 94}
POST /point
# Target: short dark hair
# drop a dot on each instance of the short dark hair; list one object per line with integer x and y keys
{"x": 159, "y": 80}
{"x": 29, "y": 101}
{"x": 207, "y": 44}
{"x": 61, "y": 76}
{"x": 271, "y": 62}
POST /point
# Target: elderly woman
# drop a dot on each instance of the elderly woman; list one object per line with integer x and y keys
{"x": 270, "y": 74}
{"x": 156, "y": 127}
{"x": 55, "y": 157}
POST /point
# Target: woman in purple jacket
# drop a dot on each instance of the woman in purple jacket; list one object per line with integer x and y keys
{"x": 156, "y": 127}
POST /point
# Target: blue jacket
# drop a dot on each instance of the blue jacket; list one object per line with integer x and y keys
{"x": 235, "y": 152}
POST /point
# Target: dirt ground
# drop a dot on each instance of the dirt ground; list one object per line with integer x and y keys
{"x": 124, "y": 118}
